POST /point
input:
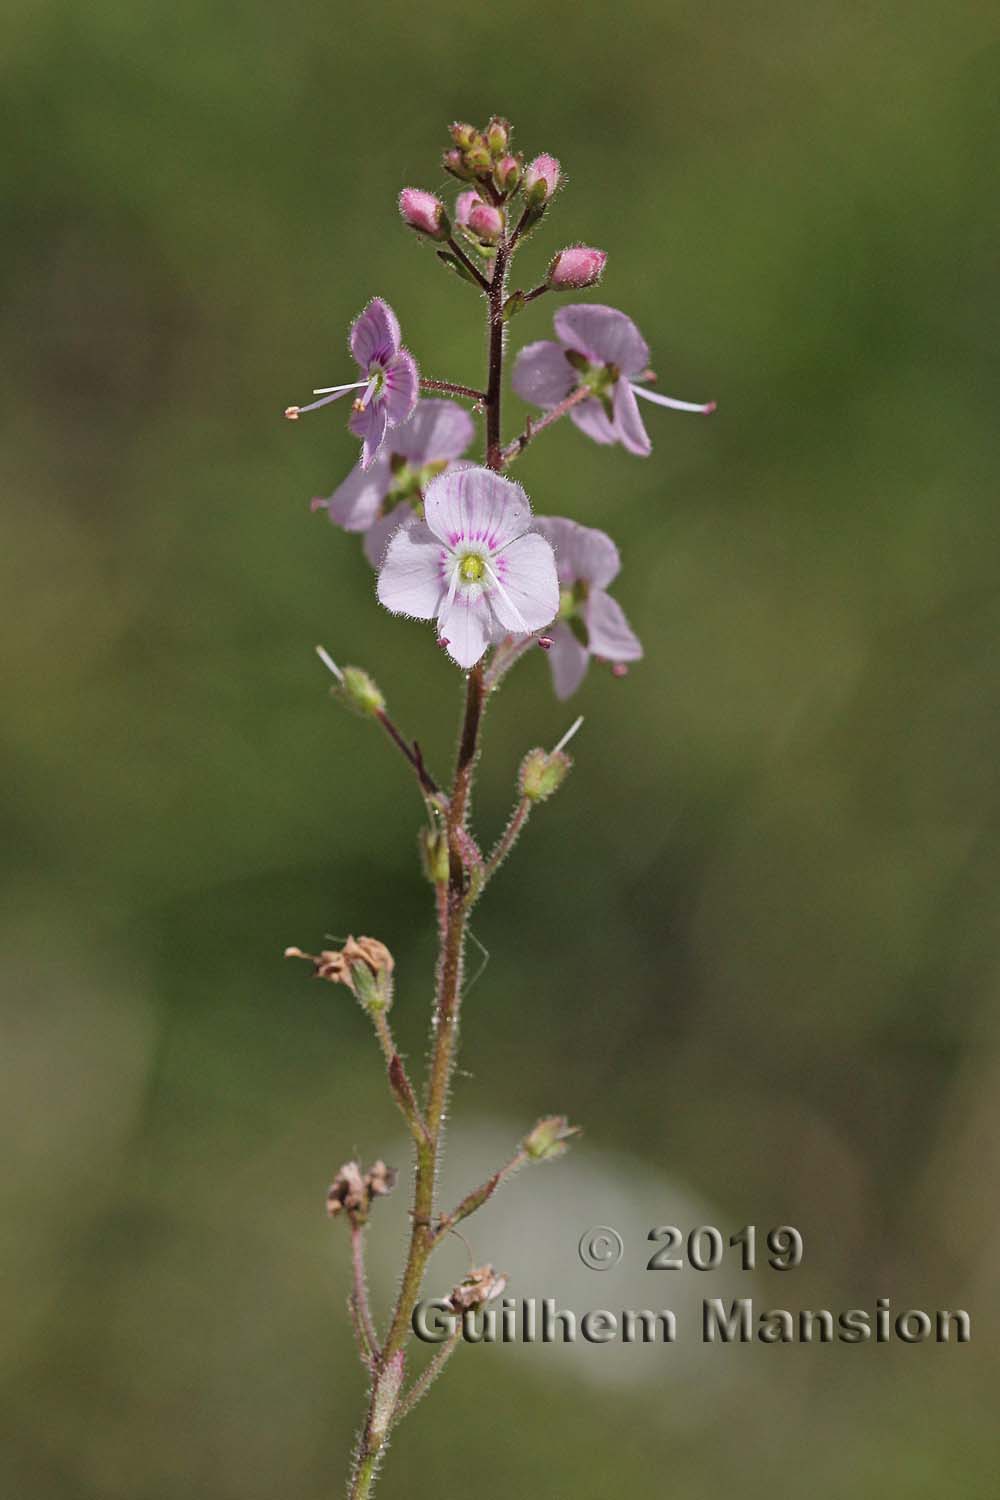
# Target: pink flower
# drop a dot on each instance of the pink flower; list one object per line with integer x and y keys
{"x": 591, "y": 623}
{"x": 389, "y": 493}
{"x": 423, "y": 212}
{"x": 541, "y": 178}
{"x": 389, "y": 385}
{"x": 576, "y": 267}
{"x": 601, "y": 349}
{"x": 472, "y": 564}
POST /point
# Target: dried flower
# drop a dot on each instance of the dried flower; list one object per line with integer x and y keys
{"x": 347, "y": 1191}
{"x": 591, "y": 623}
{"x": 389, "y": 385}
{"x": 601, "y": 349}
{"x": 472, "y": 564}
{"x": 352, "y": 1192}
{"x": 476, "y": 1289}
{"x": 363, "y": 965}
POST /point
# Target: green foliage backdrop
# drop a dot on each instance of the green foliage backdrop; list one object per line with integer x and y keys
{"x": 754, "y": 943}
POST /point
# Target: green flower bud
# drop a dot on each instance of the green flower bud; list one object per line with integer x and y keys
{"x": 434, "y": 854}
{"x": 549, "y": 1137}
{"x": 498, "y": 135}
{"x": 359, "y": 692}
{"x": 543, "y": 773}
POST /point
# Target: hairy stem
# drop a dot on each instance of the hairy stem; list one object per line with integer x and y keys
{"x": 453, "y": 917}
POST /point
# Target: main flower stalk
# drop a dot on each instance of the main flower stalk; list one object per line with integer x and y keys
{"x": 451, "y": 952}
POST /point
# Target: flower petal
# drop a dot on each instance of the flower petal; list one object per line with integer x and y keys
{"x": 582, "y": 552}
{"x": 608, "y": 631}
{"x": 354, "y": 505}
{"x": 605, "y": 335}
{"x": 436, "y": 431}
{"x": 628, "y": 421}
{"x": 592, "y": 419}
{"x": 411, "y": 579}
{"x": 402, "y": 386}
{"x": 476, "y": 505}
{"x": 467, "y": 627}
{"x": 382, "y": 528}
{"x": 375, "y": 335}
{"x": 568, "y": 660}
{"x": 542, "y": 374}
{"x": 526, "y": 596}
{"x": 369, "y": 425}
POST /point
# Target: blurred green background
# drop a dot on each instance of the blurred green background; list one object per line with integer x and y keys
{"x": 754, "y": 944}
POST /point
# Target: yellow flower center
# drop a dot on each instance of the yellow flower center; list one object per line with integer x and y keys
{"x": 471, "y": 568}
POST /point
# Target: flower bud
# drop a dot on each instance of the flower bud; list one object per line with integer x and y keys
{"x": 486, "y": 221}
{"x": 453, "y": 161}
{"x": 543, "y": 773}
{"x": 462, "y": 135}
{"x": 498, "y": 135}
{"x": 549, "y": 1137}
{"x": 479, "y": 159}
{"x": 478, "y": 1288}
{"x": 360, "y": 692}
{"x": 541, "y": 179}
{"x": 424, "y": 212}
{"x": 464, "y": 204}
{"x": 576, "y": 267}
{"x": 380, "y": 1179}
{"x": 507, "y": 173}
{"x": 434, "y": 855}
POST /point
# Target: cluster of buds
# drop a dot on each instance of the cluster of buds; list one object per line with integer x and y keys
{"x": 478, "y": 1288}
{"x": 548, "y": 1139}
{"x": 484, "y": 158}
{"x": 353, "y": 1192}
{"x": 363, "y": 964}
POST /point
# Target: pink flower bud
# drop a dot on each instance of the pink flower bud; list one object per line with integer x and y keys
{"x": 464, "y": 204}
{"x": 541, "y": 178}
{"x": 507, "y": 173}
{"x": 576, "y": 267}
{"x": 423, "y": 212}
{"x": 486, "y": 221}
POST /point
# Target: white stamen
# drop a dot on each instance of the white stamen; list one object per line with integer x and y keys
{"x": 330, "y": 664}
{"x": 568, "y": 736}
{"x": 327, "y": 394}
{"x": 327, "y": 390}
{"x": 659, "y": 400}
{"x": 369, "y": 393}
{"x": 507, "y": 599}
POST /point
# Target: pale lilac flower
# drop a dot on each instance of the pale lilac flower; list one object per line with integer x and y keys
{"x": 423, "y": 212}
{"x": 389, "y": 385}
{"x": 472, "y": 564}
{"x": 591, "y": 623}
{"x": 541, "y": 178}
{"x": 576, "y": 267}
{"x": 389, "y": 493}
{"x": 599, "y": 348}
